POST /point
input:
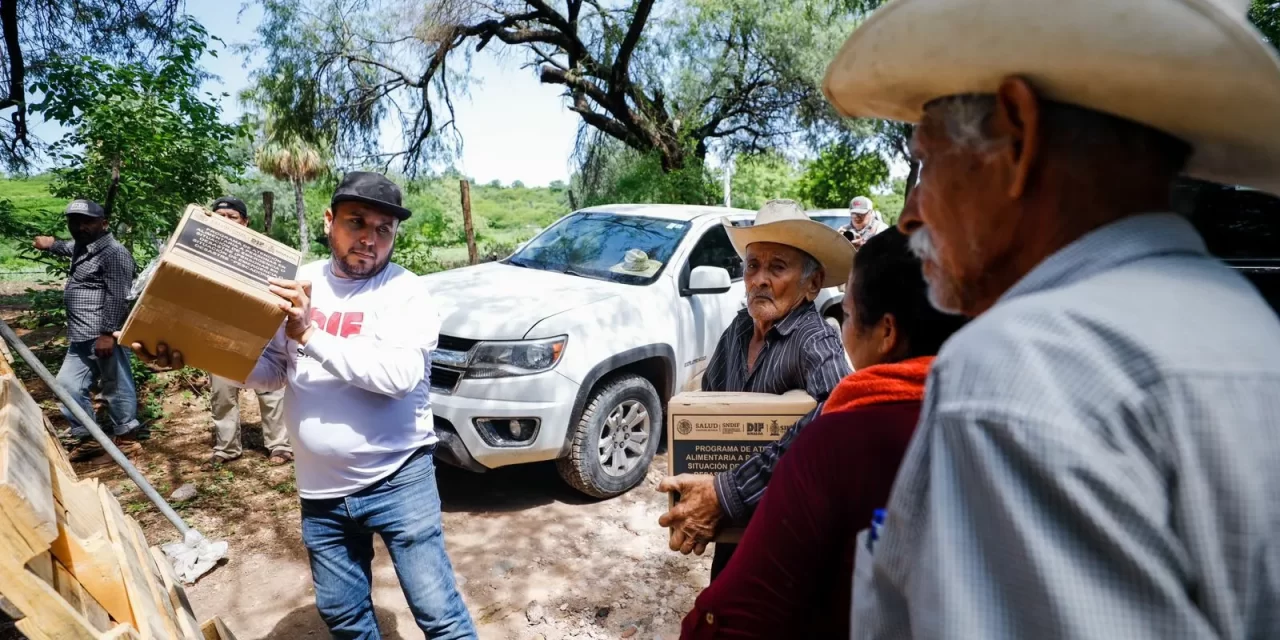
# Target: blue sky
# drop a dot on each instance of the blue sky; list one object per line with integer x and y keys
{"x": 513, "y": 127}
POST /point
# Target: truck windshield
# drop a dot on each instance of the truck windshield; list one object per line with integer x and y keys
{"x": 604, "y": 246}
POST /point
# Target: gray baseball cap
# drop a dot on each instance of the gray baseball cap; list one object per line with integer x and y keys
{"x": 85, "y": 208}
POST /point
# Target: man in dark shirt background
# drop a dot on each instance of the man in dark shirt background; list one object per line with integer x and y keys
{"x": 96, "y": 297}
{"x": 777, "y": 344}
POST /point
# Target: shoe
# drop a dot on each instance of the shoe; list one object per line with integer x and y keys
{"x": 87, "y": 449}
{"x": 128, "y": 446}
{"x": 217, "y": 460}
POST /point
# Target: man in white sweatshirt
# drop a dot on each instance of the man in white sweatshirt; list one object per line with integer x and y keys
{"x": 353, "y": 357}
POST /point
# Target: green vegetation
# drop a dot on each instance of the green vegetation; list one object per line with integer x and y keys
{"x": 142, "y": 140}
{"x": 430, "y": 240}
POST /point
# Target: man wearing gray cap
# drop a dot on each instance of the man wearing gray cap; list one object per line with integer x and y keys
{"x": 96, "y": 297}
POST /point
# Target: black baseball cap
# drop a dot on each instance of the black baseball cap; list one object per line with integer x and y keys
{"x": 233, "y": 203}
{"x": 371, "y": 188}
{"x": 87, "y": 208}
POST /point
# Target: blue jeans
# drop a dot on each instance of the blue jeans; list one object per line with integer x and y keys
{"x": 115, "y": 378}
{"x": 404, "y": 509}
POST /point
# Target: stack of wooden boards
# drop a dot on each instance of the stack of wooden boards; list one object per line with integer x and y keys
{"x": 72, "y": 564}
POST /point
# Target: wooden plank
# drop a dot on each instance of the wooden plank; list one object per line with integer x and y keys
{"x": 25, "y": 483}
{"x": 120, "y": 632}
{"x": 42, "y": 567}
{"x": 159, "y": 594}
{"x": 74, "y": 593}
{"x": 215, "y": 629}
{"x": 55, "y": 453}
{"x": 26, "y": 494}
{"x": 146, "y": 616}
{"x": 45, "y": 614}
{"x": 178, "y": 595}
{"x": 83, "y": 544}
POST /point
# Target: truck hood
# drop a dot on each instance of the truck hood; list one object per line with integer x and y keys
{"x": 496, "y": 301}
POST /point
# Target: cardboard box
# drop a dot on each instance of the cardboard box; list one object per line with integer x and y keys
{"x": 208, "y": 296}
{"x": 710, "y": 432}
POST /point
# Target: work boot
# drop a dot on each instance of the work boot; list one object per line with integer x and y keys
{"x": 127, "y": 444}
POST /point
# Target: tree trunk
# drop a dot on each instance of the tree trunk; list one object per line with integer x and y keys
{"x": 912, "y": 176}
{"x": 268, "y": 210}
{"x": 300, "y": 209}
{"x": 472, "y": 254}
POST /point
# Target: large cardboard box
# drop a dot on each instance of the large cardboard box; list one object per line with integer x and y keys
{"x": 208, "y": 296}
{"x": 710, "y": 432}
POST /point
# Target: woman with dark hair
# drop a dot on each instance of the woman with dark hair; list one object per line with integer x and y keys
{"x": 790, "y": 576}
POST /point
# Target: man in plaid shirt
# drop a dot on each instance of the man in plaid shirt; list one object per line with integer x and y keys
{"x": 97, "y": 303}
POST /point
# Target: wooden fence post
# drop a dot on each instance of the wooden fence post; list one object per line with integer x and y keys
{"x": 268, "y": 210}
{"x": 472, "y": 256}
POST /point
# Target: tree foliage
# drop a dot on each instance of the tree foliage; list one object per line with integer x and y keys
{"x": 151, "y": 125}
{"x": 839, "y": 173}
{"x": 664, "y": 79}
{"x": 37, "y": 31}
{"x": 758, "y": 178}
{"x": 612, "y": 173}
{"x": 285, "y": 155}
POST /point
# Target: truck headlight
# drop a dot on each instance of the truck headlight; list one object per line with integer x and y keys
{"x": 515, "y": 358}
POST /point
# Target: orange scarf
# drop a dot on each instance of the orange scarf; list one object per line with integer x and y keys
{"x": 880, "y": 384}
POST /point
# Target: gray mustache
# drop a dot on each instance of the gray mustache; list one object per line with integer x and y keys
{"x": 761, "y": 295}
{"x": 921, "y": 243}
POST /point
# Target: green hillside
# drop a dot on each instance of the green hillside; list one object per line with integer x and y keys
{"x": 432, "y": 239}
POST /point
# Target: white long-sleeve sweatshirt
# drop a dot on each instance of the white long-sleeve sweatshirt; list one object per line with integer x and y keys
{"x": 357, "y": 399}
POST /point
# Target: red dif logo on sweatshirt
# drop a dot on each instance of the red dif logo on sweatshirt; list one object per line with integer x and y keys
{"x": 338, "y": 323}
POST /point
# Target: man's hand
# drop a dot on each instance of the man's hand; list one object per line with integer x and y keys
{"x": 44, "y": 243}
{"x": 298, "y": 325}
{"x": 162, "y": 360}
{"x": 695, "y": 518}
{"x": 104, "y": 347}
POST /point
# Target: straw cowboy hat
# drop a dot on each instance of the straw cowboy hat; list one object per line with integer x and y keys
{"x": 1195, "y": 69}
{"x": 784, "y": 222}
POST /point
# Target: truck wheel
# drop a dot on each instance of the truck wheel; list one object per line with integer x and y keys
{"x": 614, "y": 441}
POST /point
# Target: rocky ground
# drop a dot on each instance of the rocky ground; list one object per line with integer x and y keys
{"x": 533, "y": 558}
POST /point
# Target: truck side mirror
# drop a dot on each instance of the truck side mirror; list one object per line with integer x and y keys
{"x": 703, "y": 280}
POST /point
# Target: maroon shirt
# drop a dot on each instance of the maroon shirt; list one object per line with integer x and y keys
{"x": 791, "y": 576}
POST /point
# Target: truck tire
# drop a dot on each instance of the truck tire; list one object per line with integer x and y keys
{"x": 616, "y": 438}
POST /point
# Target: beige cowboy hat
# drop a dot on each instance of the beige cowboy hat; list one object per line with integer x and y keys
{"x": 785, "y": 222}
{"x": 1195, "y": 69}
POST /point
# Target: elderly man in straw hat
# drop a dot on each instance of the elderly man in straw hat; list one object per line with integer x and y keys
{"x": 1099, "y": 450}
{"x": 778, "y": 343}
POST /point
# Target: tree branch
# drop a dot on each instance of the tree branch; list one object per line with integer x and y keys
{"x": 622, "y": 62}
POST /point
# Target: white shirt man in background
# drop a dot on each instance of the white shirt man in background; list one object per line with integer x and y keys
{"x": 354, "y": 356}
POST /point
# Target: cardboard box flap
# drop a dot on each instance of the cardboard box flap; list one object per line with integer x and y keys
{"x": 718, "y": 402}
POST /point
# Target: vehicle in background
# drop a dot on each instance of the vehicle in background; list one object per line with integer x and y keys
{"x": 569, "y": 349}
{"x": 1240, "y": 226}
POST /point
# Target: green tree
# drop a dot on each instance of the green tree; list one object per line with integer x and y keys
{"x": 759, "y": 178}
{"x": 286, "y": 156}
{"x": 35, "y": 32}
{"x": 668, "y": 82}
{"x": 147, "y": 130}
{"x": 611, "y": 173}
{"x": 839, "y": 173}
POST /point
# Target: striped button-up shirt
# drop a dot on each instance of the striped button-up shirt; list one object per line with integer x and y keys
{"x": 97, "y": 288}
{"x": 1098, "y": 457}
{"x": 800, "y": 352}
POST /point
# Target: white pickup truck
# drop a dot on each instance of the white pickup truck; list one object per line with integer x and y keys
{"x": 569, "y": 349}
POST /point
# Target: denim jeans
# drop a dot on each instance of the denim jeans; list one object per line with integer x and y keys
{"x": 115, "y": 378}
{"x": 404, "y": 509}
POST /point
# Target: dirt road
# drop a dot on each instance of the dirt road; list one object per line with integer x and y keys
{"x": 533, "y": 558}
